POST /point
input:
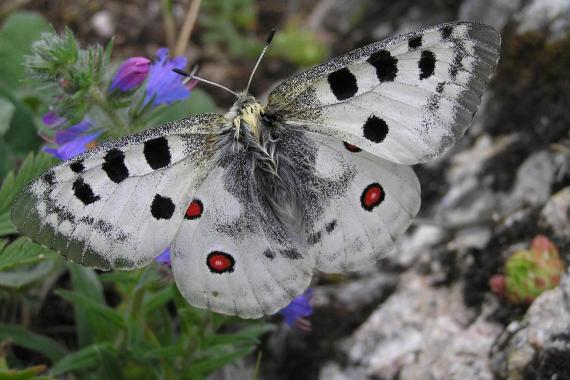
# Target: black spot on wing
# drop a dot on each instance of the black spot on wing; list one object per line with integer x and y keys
{"x": 330, "y": 226}
{"x": 343, "y": 84}
{"x": 269, "y": 254}
{"x": 446, "y": 32}
{"x": 426, "y": 64}
{"x": 77, "y": 167}
{"x": 84, "y": 192}
{"x": 415, "y": 42}
{"x": 386, "y": 66}
{"x": 49, "y": 178}
{"x": 439, "y": 87}
{"x": 162, "y": 207}
{"x": 157, "y": 153}
{"x": 114, "y": 165}
{"x": 291, "y": 253}
{"x": 375, "y": 129}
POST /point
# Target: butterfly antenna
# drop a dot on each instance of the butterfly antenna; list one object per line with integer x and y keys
{"x": 190, "y": 76}
{"x": 267, "y": 43}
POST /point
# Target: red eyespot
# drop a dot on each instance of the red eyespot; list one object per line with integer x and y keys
{"x": 194, "y": 210}
{"x": 220, "y": 262}
{"x": 351, "y": 148}
{"x": 372, "y": 196}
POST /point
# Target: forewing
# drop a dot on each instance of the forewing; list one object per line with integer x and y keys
{"x": 119, "y": 205}
{"x": 359, "y": 226}
{"x": 405, "y": 99}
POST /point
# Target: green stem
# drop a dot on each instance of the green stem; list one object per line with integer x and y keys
{"x": 101, "y": 101}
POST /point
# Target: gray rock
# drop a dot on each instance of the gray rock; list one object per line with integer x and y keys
{"x": 538, "y": 345}
{"x": 495, "y": 13}
{"x": 556, "y": 213}
{"x": 103, "y": 24}
{"x": 550, "y": 15}
{"x": 533, "y": 181}
{"x": 412, "y": 246}
{"x": 420, "y": 332}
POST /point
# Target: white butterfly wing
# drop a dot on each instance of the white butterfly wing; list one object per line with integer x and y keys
{"x": 358, "y": 227}
{"x": 118, "y": 206}
{"x": 405, "y": 99}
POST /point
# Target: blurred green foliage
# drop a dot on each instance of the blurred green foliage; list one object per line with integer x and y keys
{"x": 18, "y": 101}
{"x": 299, "y": 46}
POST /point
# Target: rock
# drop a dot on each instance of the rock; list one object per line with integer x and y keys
{"x": 471, "y": 237}
{"x": 550, "y": 15}
{"x": 556, "y": 213}
{"x": 411, "y": 246}
{"x": 538, "y": 347}
{"x": 533, "y": 181}
{"x": 495, "y": 13}
{"x": 350, "y": 299}
{"x": 420, "y": 332}
{"x": 103, "y": 24}
{"x": 463, "y": 358}
{"x": 470, "y": 199}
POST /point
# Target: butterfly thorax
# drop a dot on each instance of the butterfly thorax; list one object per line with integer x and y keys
{"x": 246, "y": 114}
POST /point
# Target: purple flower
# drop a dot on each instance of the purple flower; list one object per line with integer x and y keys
{"x": 296, "y": 312}
{"x": 164, "y": 257}
{"x": 51, "y": 119}
{"x": 165, "y": 86}
{"x": 130, "y": 74}
{"x": 72, "y": 141}
{"x": 64, "y": 136}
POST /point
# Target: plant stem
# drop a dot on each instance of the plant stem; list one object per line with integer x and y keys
{"x": 101, "y": 101}
{"x": 169, "y": 23}
{"x": 187, "y": 27}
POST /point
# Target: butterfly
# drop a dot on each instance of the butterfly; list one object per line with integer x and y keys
{"x": 253, "y": 202}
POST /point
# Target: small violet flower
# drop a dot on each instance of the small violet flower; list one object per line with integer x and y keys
{"x": 131, "y": 74}
{"x": 296, "y": 313}
{"x": 72, "y": 141}
{"x": 165, "y": 86}
{"x": 53, "y": 120}
{"x": 164, "y": 257}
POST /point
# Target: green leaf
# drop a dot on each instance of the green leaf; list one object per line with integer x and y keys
{"x": 246, "y": 335}
{"x": 30, "y": 373}
{"x": 92, "y": 306}
{"x": 13, "y": 184}
{"x": 35, "y": 342}
{"x": 22, "y": 252}
{"x": 157, "y": 300}
{"x": 86, "y": 358}
{"x": 20, "y": 30}
{"x": 167, "y": 352}
{"x": 6, "y": 111}
{"x": 23, "y": 277}
{"x": 22, "y": 136}
{"x": 6, "y": 226}
{"x": 299, "y": 46}
{"x": 24, "y": 263}
{"x": 214, "y": 359}
{"x": 198, "y": 102}
{"x": 89, "y": 326}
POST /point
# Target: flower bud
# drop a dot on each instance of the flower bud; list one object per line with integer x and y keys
{"x": 130, "y": 74}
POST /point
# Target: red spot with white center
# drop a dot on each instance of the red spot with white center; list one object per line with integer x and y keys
{"x": 194, "y": 210}
{"x": 372, "y": 196}
{"x": 350, "y": 147}
{"x": 220, "y": 262}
